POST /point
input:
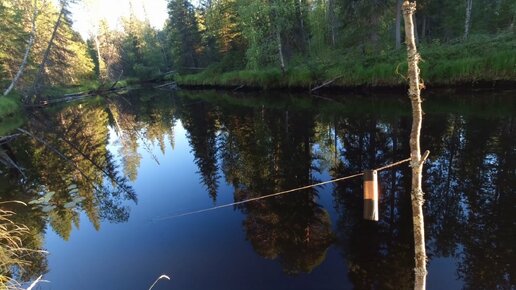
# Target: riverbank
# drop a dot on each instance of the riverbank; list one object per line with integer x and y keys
{"x": 476, "y": 104}
{"x": 480, "y": 62}
{"x": 12, "y": 104}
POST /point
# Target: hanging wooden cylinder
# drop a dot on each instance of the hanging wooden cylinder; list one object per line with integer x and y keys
{"x": 371, "y": 195}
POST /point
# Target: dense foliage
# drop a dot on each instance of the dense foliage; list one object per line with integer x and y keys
{"x": 298, "y": 43}
{"x": 276, "y": 43}
{"x": 58, "y": 55}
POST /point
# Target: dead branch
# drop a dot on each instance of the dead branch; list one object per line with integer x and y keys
{"x": 326, "y": 83}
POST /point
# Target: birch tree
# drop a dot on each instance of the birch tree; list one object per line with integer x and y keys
{"x": 467, "y": 22}
{"x": 417, "y": 160}
{"x": 94, "y": 30}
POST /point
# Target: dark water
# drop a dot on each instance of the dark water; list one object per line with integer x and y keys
{"x": 114, "y": 173}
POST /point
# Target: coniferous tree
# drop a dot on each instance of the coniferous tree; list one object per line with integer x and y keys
{"x": 184, "y": 37}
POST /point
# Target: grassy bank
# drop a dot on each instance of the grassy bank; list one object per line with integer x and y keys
{"x": 482, "y": 59}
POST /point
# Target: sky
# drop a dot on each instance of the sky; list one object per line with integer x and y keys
{"x": 87, "y": 12}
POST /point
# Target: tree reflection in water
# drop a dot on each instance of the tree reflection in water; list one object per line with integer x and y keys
{"x": 260, "y": 146}
{"x": 69, "y": 168}
{"x": 268, "y": 147}
{"x": 273, "y": 150}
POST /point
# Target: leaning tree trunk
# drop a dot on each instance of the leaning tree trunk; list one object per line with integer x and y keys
{"x": 47, "y": 51}
{"x": 415, "y": 152}
{"x": 27, "y": 51}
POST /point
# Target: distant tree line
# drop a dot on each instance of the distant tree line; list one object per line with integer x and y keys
{"x": 224, "y": 35}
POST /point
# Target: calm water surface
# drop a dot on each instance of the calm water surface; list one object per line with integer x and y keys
{"x": 126, "y": 167}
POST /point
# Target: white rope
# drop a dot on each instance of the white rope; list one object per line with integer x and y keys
{"x": 276, "y": 194}
{"x": 159, "y": 278}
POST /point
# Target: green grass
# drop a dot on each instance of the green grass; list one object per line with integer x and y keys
{"x": 12, "y": 253}
{"x": 480, "y": 59}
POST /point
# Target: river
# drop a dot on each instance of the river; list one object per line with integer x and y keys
{"x": 110, "y": 180}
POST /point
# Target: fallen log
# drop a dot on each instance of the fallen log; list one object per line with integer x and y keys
{"x": 325, "y": 84}
{"x": 72, "y": 97}
{"x": 238, "y": 88}
{"x": 169, "y": 85}
{"x": 8, "y": 138}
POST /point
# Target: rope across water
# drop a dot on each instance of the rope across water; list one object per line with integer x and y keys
{"x": 278, "y": 193}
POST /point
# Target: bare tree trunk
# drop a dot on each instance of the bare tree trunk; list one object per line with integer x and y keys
{"x": 302, "y": 23}
{"x": 398, "y": 24}
{"x": 99, "y": 58}
{"x": 415, "y": 151}
{"x": 467, "y": 23}
{"x": 47, "y": 51}
{"x": 163, "y": 53}
{"x": 331, "y": 17}
{"x": 280, "y": 50}
{"x": 27, "y": 51}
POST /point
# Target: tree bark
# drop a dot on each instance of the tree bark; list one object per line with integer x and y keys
{"x": 27, "y": 51}
{"x": 398, "y": 24}
{"x": 415, "y": 151}
{"x": 467, "y": 22}
{"x": 47, "y": 51}
{"x": 280, "y": 50}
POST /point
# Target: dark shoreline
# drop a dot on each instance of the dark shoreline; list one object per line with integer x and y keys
{"x": 499, "y": 85}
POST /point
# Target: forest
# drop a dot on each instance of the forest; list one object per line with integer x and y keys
{"x": 274, "y": 44}
{"x": 63, "y": 162}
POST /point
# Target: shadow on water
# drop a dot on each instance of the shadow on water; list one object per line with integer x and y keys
{"x": 259, "y": 145}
